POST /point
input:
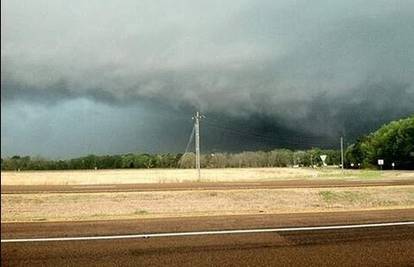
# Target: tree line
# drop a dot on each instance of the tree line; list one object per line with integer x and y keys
{"x": 393, "y": 143}
{"x": 274, "y": 158}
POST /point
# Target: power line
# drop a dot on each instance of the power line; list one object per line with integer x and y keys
{"x": 187, "y": 147}
{"x": 189, "y": 140}
{"x": 342, "y": 153}
{"x": 256, "y": 134}
{"x": 267, "y": 139}
{"x": 249, "y": 130}
{"x": 291, "y": 139}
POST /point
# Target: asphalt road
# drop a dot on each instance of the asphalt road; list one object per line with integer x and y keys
{"x": 378, "y": 246}
{"x": 32, "y": 189}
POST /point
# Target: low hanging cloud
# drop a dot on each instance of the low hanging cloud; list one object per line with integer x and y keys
{"x": 318, "y": 68}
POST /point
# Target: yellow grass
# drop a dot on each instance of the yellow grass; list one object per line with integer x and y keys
{"x": 125, "y": 176}
{"x": 93, "y": 206}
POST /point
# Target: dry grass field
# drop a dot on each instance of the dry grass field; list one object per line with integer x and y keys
{"x": 122, "y": 205}
{"x": 125, "y": 176}
{"x": 153, "y": 204}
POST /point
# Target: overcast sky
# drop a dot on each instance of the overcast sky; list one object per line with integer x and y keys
{"x": 105, "y": 77}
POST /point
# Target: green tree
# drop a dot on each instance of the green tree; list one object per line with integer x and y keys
{"x": 393, "y": 142}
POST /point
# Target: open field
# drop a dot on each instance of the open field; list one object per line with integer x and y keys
{"x": 128, "y": 176}
{"x": 160, "y": 193}
{"x": 105, "y": 202}
{"x": 158, "y": 204}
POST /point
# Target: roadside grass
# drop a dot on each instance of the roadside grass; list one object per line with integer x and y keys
{"x": 369, "y": 174}
{"x": 39, "y": 219}
{"x": 127, "y": 176}
{"x": 141, "y": 212}
{"x": 343, "y": 196}
{"x": 353, "y": 174}
{"x": 159, "y": 204}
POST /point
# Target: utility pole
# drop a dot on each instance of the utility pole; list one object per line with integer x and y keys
{"x": 342, "y": 153}
{"x": 196, "y": 119}
{"x": 311, "y": 158}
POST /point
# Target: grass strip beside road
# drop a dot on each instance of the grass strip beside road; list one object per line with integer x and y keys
{"x": 159, "y": 204}
{"x": 160, "y": 176}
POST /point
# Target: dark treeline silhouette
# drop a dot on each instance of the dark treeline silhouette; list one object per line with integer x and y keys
{"x": 274, "y": 158}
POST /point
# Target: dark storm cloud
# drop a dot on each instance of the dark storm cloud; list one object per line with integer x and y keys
{"x": 315, "y": 69}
